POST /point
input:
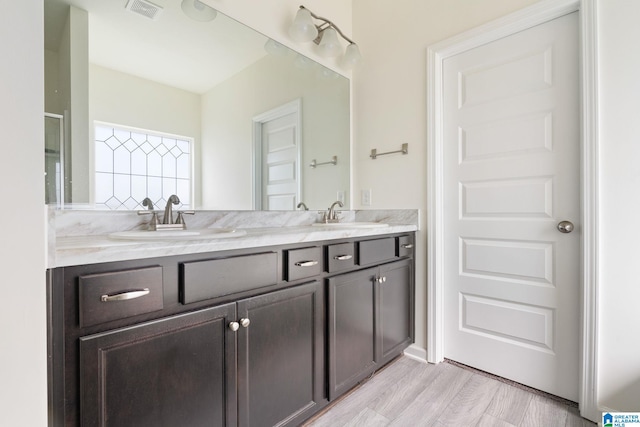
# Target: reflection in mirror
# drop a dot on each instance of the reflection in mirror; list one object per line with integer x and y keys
{"x": 53, "y": 158}
{"x": 210, "y": 110}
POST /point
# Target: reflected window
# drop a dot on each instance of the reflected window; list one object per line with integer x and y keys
{"x": 132, "y": 164}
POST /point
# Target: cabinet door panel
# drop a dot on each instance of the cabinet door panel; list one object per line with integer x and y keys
{"x": 352, "y": 329}
{"x": 280, "y": 356}
{"x": 170, "y": 372}
{"x": 396, "y": 309}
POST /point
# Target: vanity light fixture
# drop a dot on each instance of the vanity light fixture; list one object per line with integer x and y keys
{"x": 198, "y": 11}
{"x": 325, "y": 35}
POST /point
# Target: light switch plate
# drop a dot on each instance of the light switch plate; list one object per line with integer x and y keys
{"x": 340, "y": 196}
{"x": 365, "y": 197}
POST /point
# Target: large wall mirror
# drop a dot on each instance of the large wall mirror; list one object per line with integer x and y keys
{"x": 148, "y": 103}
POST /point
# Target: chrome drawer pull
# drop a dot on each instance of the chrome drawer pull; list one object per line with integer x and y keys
{"x": 306, "y": 263}
{"x": 407, "y": 246}
{"x": 343, "y": 257}
{"x": 125, "y": 295}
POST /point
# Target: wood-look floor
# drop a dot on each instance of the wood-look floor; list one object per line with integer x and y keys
{"x": 412, "y": 393}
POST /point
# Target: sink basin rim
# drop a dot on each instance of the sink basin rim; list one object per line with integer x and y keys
{"x": 196, "y": 234}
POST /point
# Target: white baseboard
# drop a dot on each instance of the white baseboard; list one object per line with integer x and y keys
{"x": 416, "y": 353}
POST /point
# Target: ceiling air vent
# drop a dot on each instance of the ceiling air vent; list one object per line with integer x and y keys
{"x": 144, "y": 8}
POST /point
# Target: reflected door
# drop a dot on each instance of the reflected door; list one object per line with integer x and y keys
{"x": 511, "y": 176}
{"x": 278, "y": 158}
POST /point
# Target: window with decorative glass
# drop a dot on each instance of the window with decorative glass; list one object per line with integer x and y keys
{"x": 133, "y": 164}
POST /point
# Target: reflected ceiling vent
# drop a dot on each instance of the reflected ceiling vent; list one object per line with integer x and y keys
{"x": 144, "y": 8}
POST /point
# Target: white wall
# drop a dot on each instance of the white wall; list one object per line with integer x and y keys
{"x": 390, "y": 102}
{"x": 227, "y": 141}
{"x": 619, "y": 373}
{"x": 23, "y": 399}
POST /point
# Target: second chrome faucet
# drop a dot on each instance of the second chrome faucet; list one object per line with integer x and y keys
{"x": 331, "y": 216}
{"x": 167, "y": 222}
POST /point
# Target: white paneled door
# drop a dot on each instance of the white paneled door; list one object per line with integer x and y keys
{"x": 278, "y": 157}
{"x": 511, "y": 175}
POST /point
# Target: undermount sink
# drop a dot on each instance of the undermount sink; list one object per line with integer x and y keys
{"x": 350, "y": 224}
{"x": 205, "y": 233}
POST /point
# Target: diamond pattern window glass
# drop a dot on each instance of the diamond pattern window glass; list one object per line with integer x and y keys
{"x": 131, "y": 164}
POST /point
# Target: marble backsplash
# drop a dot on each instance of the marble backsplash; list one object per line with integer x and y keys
{"x": 73, "y": 223}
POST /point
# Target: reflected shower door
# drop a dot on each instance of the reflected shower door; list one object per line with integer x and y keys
{"x": 53, "y": 159}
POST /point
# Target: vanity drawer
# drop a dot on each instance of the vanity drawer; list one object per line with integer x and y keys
{"x": 405, "y": 246}
{"x": 340, "y": 257}
{"x": 302, "y": 263}
{"x": 119, "y": 294}
{"x": 201, "y": 280}
{"x": 376, "y": 251}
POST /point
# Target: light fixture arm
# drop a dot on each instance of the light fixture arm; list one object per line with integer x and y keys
{"x": 328, "y": 24}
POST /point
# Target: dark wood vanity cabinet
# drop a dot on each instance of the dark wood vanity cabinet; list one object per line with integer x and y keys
{"x": 370, "y": 321}
{"x": 395, "y": 309}
{"x": 352, "y": 329}
{"x": 281, "y": 356}
{"x": 168, "y": 341}
{"x": 169, "y": 372}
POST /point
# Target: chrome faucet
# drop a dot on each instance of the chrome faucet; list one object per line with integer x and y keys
{"x": 302, "y": 205}
{"x": 166, "y": 222}
{"x": 331, "y": 215}
{"x": 168, "y": 210}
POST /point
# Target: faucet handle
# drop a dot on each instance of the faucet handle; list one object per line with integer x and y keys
{"x": 180, "y": 219}
{"x": 153, "y": 223}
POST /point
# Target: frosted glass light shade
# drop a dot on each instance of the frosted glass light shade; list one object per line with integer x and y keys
{"x": 302, "y": 28}
{"x": 329, "y": 44}
{"x": 352, "y": 56}
{"x": 198, "y": 11}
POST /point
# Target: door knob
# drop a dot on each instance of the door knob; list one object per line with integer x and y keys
{"x": 565, "y": 226}
{"x": 234, "y": 326}
{"x": 244, "y": 322}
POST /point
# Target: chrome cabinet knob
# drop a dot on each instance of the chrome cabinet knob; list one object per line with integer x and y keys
{"x": 382, "y": 279}
{"x": 234, "y": 326}
{"x": 244, "y": 322}
{"x": 565, "y": 226}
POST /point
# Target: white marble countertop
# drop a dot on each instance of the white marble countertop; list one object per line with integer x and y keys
{"x": 90, "y": 246}
{"x": 91, "y": 249}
